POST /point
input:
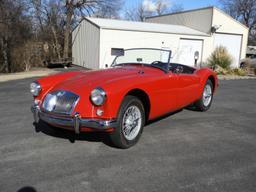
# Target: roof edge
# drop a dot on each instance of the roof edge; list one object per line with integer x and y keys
{"x": 179, "y": 12}
{"x": 201, "y": 35}
{"x": 122, "y": 29}
{"x": 202, "y": 8}
{"x": 87, "y": 19}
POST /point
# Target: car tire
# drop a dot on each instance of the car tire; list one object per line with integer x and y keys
{"x": 130, "y": 123}
{"x": 204, "y": 103}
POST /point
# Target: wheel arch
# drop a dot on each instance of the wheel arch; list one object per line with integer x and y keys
{"x": 143, "y": 96}
{"x": 212, "y": 79}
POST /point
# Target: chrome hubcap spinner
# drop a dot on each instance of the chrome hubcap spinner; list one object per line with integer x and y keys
{"x": 207, "y": 95}
{"x": 131, "y": 123}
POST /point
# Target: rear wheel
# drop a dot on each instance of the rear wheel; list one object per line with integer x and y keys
{"x": 204, "y": 103}
{"x": 131, "y": 119}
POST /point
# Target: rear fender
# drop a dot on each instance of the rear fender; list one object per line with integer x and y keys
{"x": 205, "y": 74}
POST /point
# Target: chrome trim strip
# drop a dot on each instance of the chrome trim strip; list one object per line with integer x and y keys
{"x": 75, "y": 122}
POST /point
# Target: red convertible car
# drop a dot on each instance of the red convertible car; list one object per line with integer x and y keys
{"x": 141, "y": 85}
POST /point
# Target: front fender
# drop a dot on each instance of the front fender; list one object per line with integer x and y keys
{"x": 48, "y": 82}
{"x": 115, "y": 94}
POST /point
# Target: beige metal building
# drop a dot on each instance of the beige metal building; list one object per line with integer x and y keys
{"x": 184, "y": 33}
{"x": 223, "y": 29}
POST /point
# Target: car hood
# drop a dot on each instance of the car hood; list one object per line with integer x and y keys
{"x": 88, "y": 80}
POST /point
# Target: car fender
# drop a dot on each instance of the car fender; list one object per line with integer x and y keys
{"x": 205, "y": 74}
{"x": 48, "y": 82}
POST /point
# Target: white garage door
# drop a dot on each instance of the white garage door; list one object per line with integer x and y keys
{"x": 186, "y": 51}
{"x": 233, "y": 45}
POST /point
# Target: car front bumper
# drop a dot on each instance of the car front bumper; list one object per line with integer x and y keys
{"x": 75, "y": 122}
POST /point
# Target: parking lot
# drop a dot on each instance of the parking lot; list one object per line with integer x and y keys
{"x": 186, "y": 151}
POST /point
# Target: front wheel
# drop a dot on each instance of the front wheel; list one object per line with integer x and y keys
{"x": 204, "y": 103}
{"x": 131, "y": 119}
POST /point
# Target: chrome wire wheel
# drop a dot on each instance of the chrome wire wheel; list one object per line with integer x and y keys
{"x": 207, "y": 95}
{"x": 131, "y": 123}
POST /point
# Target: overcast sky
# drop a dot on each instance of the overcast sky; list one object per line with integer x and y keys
{"x": 187, "y": 4}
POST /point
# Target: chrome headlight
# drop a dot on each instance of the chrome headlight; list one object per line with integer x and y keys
{"x": 35, "y": 88}
{"x": 98, "y": 96}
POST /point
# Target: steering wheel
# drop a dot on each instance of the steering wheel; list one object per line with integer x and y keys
{"x": 156, "y": 62}
{"x": 179, "y": 69}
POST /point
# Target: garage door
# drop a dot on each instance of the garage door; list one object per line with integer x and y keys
{"x": 233, "y": 45}
{"x": 187, "y": 49}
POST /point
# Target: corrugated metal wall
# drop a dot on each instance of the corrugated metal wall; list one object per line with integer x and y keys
{"x": 200, "y": 19}
{"x": 86, "y": 43}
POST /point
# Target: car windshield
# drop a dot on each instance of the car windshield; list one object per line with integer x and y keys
{"x": 158, "y": 58}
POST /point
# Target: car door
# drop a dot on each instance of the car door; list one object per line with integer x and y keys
{"x": 172, "y": 87}
{"x": 163, "y": 95}
{"x": 188, "y": 86}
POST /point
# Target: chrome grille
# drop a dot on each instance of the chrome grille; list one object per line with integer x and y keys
{"x": 61, "y": 102}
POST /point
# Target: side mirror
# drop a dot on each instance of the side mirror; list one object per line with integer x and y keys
{"x": 117, "y": 52}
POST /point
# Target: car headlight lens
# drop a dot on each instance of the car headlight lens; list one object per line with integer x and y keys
{"x": 98, "y": 96}
{"x": 50, "y": 102}
{"x": 35, "y": 88}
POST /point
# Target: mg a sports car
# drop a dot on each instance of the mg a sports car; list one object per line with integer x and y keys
{"x": 140, "y": 85}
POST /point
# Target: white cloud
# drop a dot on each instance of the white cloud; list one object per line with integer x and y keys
{"x": 164, "y": 2}
{"x": 153, "y": 5}
{"x": 149, "y": 5}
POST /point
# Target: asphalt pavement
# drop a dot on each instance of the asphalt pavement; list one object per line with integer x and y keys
{"x": 186, "y": 151}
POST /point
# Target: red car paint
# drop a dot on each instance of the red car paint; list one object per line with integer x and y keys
{"x": 166, "y": 92}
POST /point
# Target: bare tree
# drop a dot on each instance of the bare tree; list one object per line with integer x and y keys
{"x": 14, "y": 31}
{"x": 44, "y": 25}
{"x": 49, "y": 22}
{"x": 231, "y": 8}
{"x": 176, "y": 7}
{"x": 78, "y": 8}
{"x": 4, "y": 35}
{"x": 109, "y": 9}
{"x": 244, "y": 11}
{"x": 149, "y": 8}
{"x": 162, "y": 6}
{"x": 138, "y": 13}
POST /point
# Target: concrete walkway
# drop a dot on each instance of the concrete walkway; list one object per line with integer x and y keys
{"x": 24, "y": 75}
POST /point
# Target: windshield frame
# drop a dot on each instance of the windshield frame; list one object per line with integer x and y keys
{"x": 146, "y": 64}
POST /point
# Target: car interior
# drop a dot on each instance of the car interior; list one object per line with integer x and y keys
{"x": 179, "y": 68}
{"x": 175, "y": 67}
